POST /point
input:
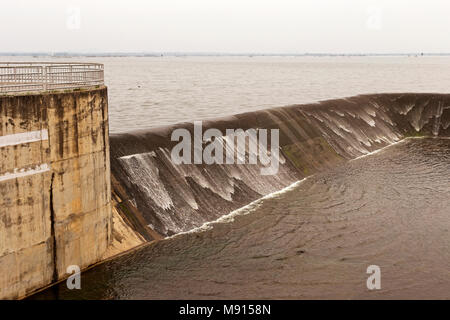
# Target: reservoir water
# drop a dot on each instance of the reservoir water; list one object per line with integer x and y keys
{"x": 314, "y": 240}
{"x": 147, "y": 92}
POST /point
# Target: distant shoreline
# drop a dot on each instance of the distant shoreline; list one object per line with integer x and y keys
{"x": 200, "y": 54}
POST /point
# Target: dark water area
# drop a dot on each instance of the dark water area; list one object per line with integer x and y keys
{"x": 313, "y": 241}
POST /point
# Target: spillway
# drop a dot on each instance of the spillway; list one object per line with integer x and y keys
{"x": 364, "y": 182}
{"x": 159, "y": 198}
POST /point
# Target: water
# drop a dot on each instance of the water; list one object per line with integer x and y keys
{"x": 155, "y": 91}
{"x": 313, "y": 241}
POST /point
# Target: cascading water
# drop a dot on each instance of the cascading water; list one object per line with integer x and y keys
{"x": 175, "y": 198}
{"x": 367, "y": 193}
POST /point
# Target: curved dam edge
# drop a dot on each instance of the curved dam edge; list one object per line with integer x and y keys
{"x": 154, "y": 198}
{"x": 252, "y": 206}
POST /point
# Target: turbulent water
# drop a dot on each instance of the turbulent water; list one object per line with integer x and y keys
{"x": 315, "y": 240}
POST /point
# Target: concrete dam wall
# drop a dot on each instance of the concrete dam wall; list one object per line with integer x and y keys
{"x": 158, "y": 198}
{"x": 55, "y": 189}
{"x": 62, "y": 203}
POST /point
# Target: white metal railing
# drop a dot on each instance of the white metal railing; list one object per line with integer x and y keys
{"x": 46, "y": 76}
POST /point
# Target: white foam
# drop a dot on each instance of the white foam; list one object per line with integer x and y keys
{"x": 151, "y": 154}
{"x": 239, "y": 212}
{"x": 257, "y": 203}
{"x": 142, "y": 171}
{"x": 381, "y": 149}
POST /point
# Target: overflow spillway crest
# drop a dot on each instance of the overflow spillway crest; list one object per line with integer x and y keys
{"x": 173, "y": 179}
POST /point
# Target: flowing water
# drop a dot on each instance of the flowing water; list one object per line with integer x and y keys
{"x": 314, "y": 240}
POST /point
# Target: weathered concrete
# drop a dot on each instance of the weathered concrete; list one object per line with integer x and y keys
{"x": 55, "y": 191}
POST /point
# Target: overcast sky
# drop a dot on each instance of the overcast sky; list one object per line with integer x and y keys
{"x": 230, "y": 26}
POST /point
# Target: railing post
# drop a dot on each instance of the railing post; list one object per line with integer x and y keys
{"x": 44, "y": 74}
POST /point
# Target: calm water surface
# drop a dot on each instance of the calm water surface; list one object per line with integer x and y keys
{"x": 316, "y": 240}
{"x": 156, "y": 91}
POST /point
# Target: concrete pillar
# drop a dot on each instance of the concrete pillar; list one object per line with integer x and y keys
{"x": 55, "y": 191}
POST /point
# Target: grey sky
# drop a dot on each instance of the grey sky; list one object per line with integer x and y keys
{"x": 267, "y": 26}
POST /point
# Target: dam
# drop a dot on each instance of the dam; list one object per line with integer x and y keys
{"x": 313, "y": 138}
{"x": 362, "y": 181}
{"x": 358, "y": 179}
{"x": 55, "y": 191}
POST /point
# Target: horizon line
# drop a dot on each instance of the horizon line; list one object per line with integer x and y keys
{"x": 205, "y": 53}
